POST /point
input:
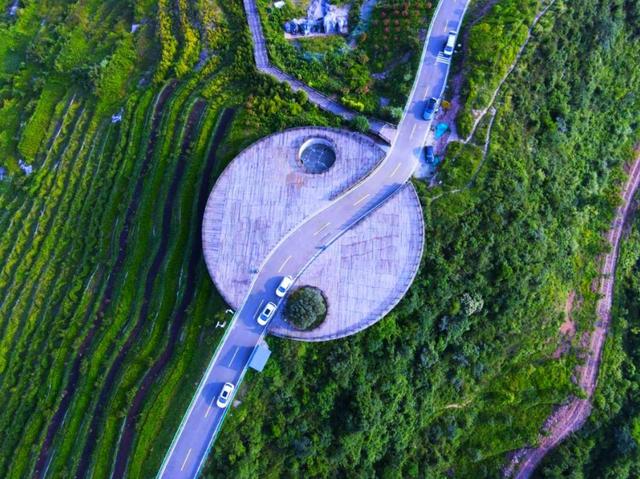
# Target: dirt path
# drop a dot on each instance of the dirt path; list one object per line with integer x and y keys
{"x": 570, "y": 417}
{"x": 457, "y": 82}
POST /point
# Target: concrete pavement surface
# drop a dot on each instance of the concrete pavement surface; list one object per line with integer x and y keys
{"x": 296, "y": 250}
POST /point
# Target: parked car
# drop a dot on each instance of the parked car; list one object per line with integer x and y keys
{"x": 266, "y": 314}
{"x": 451, "y": 44}
{"x": 430, "y": 109}
{"x": 284, "y": 286}
{"x": 225, "y": 395}
{"x": 429, "y": 157}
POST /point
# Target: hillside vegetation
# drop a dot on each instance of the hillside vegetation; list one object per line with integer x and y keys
{"x": 608, "y": 445}
{"x": 379, "y": 61}
{"x": 462, "y": 372}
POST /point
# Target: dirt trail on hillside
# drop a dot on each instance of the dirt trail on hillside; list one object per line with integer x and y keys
{"x": 571, "y": 416}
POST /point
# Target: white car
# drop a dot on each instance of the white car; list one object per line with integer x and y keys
{"x": 451, "y": 43}
{"x": 225, "y": 395}
{"x": 266, "y": 314}
{"x": 284, "y": 286}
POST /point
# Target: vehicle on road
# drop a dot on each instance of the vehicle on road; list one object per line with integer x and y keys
{"x": 430, "y": 109}
{"x": 225, "y": 395}
{"x": 429, "y": 157}
{"x": 284, "y": 286}
{"x": 451, "y": 43}
{"x": 266, "y": 314}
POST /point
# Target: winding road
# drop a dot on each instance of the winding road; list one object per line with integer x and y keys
{"x": 299, "y": 248}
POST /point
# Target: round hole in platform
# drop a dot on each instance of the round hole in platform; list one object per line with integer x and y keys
{"x": 317, "y": 155}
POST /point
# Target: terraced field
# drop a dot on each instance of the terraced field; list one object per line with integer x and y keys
{"x": 108, "y": 315}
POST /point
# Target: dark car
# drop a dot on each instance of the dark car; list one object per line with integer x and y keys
{"x": 430, "y": 109}
{"x": 428, "y": 154}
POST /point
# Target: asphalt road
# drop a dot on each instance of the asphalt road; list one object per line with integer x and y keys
{"x": 295, "y": 251}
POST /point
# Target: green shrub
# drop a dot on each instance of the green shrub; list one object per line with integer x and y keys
{"x": 36, "y": 129}
{"x": 360, "y": 123}
{"x": 306, "y": 308}
{"x": 464, "y": 123}
{"x": 461, "y": 162}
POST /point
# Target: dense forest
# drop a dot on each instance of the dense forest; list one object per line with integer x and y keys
{"x": 108, "y": 316}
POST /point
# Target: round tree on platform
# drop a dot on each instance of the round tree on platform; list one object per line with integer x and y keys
{"x": 306, "y": 308}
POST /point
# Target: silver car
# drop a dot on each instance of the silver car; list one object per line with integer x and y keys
{"x": 451, "y": 43}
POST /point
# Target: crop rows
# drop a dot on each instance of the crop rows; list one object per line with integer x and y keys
{"x": 108, "y": 313}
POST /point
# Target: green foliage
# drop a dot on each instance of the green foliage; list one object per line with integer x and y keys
{"x": 394, "y": 31}
{"x": 115, "y": 75}
{"x": 306, "y": 308}
{"x": 329, "y": 64}
{"x": 460, "y": 165}
{"x": 37, "y": 127}
{"x": 360, "y": 123}
{"x": 464, "y": 122}
{"x": 493, "y": 44}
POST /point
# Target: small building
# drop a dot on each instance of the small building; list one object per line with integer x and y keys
{"x": 259, "y": 357}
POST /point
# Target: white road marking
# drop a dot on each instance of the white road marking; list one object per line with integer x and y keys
{"x": 362, "y": 199}
{"x": 442, "y": 59}
{"x": 413, "y": 130}
{"x": 234, "y": 356}
{"x": 283, "y": 264}
{"x": 186, "y": 459}
{"x": 395, "y": 170}
{"x": 258, "y": 309}
{"x": 321, "y": 229}
{"x": 208, "y": 411}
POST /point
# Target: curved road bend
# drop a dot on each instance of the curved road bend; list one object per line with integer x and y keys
{"x": 295, "y": 251}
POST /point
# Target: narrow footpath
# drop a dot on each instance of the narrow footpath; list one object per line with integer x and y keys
{"x": 570, "y": 417}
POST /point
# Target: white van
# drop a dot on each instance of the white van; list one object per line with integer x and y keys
{"x": 451, "y": 43}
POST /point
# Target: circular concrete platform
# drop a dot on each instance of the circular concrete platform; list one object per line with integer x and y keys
{"x": 265, "y": 192}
